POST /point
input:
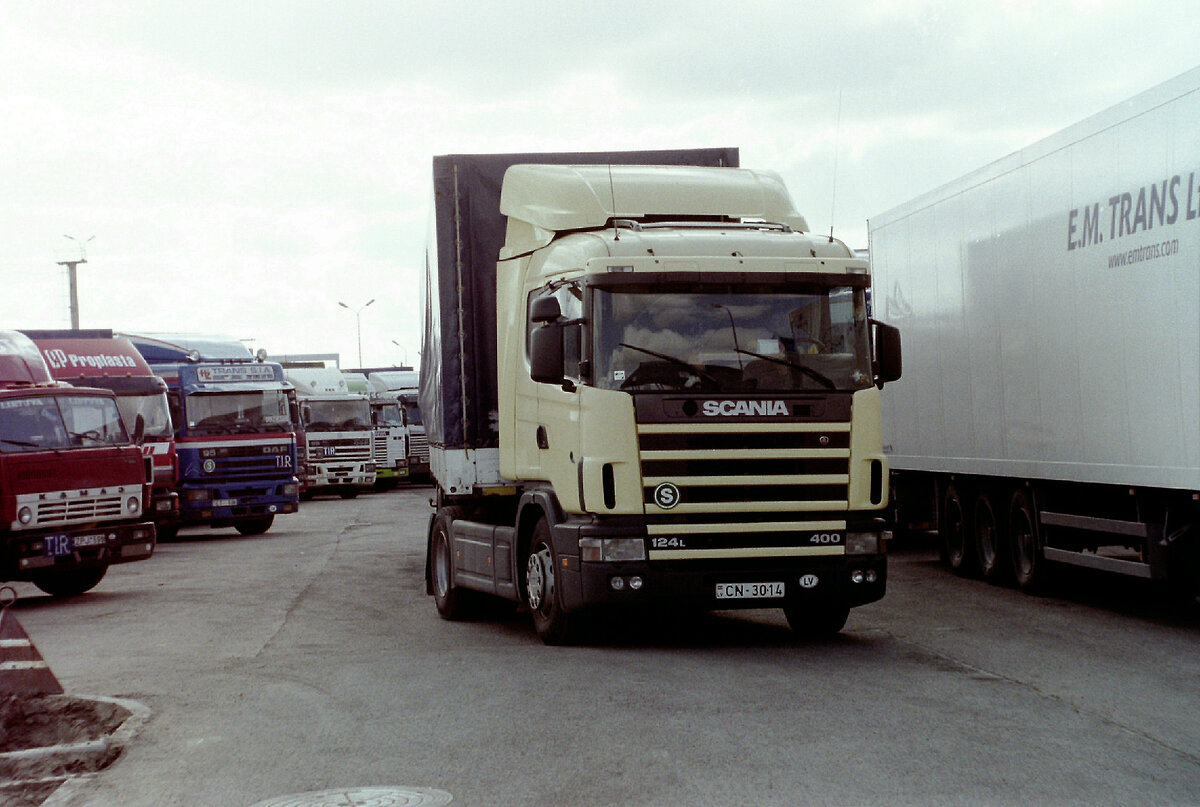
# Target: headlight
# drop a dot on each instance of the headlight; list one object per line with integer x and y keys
{"x": 862, "y": 543}
{"x": 198, "y": 495}
{"x": 291, "y": 489}
{"x": 133, "y": 504}
{"x": 612, "y": 549}
{"x": 25, "y": 515}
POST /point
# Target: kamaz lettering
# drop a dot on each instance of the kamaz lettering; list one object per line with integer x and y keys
{"x": 735, "y": 408}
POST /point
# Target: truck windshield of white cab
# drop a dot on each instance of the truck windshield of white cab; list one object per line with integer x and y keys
{"x": 333, "y": 416}
{"x": 238, "y": 412}
{"x": 744, "y": 339}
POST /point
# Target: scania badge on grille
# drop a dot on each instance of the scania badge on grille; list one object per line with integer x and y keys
{"x": 666, "y": 495}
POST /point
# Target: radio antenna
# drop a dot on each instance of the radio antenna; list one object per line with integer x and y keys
{"x": 837, "y": 142}
{"x": 612, "y": 194}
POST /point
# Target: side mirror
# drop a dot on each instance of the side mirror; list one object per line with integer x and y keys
{"x": 139, "y": 430}
{"x": 545, "y": 309}
{"x": 546, "y": 353}
{"x": 888, "y": 365}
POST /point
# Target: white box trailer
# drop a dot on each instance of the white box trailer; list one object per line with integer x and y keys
{"x": 1050, "y": 306}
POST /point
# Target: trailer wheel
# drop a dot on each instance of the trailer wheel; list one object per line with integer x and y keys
{"x": 988, "y": 539}
{"x": 71, "y": 583}
{"x": 254, "y": 526}
{"x": 816, "y": 621}
{"x": 452, "y": 602}
{"x": 1028, "y": 564}
{"x": 952, "y": 530}
{"x": 553, "y": 625}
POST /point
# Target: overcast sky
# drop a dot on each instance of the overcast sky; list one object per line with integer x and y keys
{"x": 245, "y": 166}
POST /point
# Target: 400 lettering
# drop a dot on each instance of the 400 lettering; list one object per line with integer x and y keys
{"x": 826, "y": 539}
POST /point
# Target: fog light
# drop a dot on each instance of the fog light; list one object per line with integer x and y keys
{"x": 617, "y": 583}
{"x": 271, "y": 509}
{"x": 25, "y": 515}
{"x": 857, "y": 576}
{"x": 872, "y": 576}
{"x": 635, "y": 583}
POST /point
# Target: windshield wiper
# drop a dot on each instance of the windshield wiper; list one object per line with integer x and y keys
{"x": 22, "y": 443}
{"x": 808, "y": 371}
{"x": 691, "y": 368}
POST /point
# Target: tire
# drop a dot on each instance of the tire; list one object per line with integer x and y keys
{"x": 166, "y": 532}
{"x": 348, "y": 493}
{"x": 954, "y": 532}
{"x": 822, "y": 621}
{"x": 70, "y": 584}
{"x": 989, "y": 541}
{"x": 553, "y": 625}
{"x": 254, "y": 526}
{"x": 1024, "y": 543}
{"x": 453, "y": 603}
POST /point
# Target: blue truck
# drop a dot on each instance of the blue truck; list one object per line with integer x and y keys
{"x": 234, "y": 432}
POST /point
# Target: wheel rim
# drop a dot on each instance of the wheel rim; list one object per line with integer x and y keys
{"x": 441, "y": 571}
{"x": 985, "y": 528}
{"x": 539, "y": 579}
{"x": 1022, "y": 534}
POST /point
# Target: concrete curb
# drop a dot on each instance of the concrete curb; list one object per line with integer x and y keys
{"x": 109, "y": 746}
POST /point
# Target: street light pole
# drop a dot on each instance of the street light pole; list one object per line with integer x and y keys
{"x": 403, "y": 348}
{"x": 73, "y": 278}
{"x": 358, "y": 324}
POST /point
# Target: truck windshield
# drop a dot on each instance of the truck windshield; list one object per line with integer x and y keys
{"x": 413, "y": 412}
{"x": 237, "y": 412}
{"x": 61, "y": 421}
{"x": 333, "y": 416}
{"x": 387, "y": 416}
{"x": 152, "y": 408}
{"x": 738, "y": 339}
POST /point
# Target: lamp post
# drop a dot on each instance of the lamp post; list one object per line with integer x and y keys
{"x": 404, "y": 349}
{"x": 358, "y": 324}
{"x": 73, "y": 278}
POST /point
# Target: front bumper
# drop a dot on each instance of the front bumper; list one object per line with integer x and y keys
{"x": 851, "y": 580}
{"x": 28, "y": 553}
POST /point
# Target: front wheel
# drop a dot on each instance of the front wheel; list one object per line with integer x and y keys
{"x": 817, "y": 621}
{"x": 70, "y": 583}
{"x": 452, "y": 602}
{"x": 553, "y": 624}
{"x": 254, "y": 526}
{"x": 348, "y": 493}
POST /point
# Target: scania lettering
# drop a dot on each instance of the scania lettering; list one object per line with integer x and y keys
{"x": 645, "y": 383}
{"x": 73, "y": 483}
{"x": 728, "y": 408}
{"x": 97, "y": 358}
{"x": 233, "y": 430}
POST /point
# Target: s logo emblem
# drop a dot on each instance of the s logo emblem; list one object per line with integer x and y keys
{"x": 666, "y": 495}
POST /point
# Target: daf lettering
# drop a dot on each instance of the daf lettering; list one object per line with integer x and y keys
{"x": 745, "y": 408}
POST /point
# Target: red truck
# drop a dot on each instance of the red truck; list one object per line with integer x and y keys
{"x": 97, "y": 358}
{"x": 73, "y": 482}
